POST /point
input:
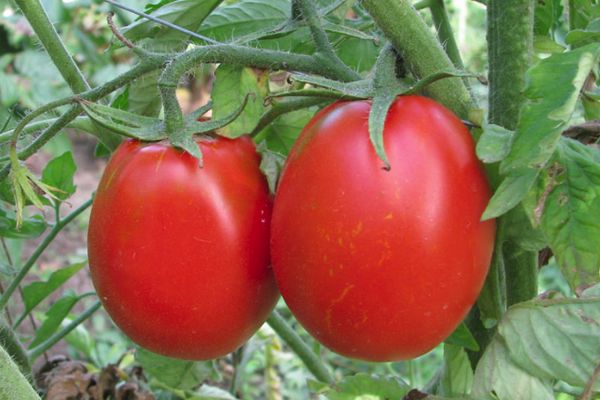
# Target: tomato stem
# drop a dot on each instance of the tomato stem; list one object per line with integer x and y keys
{"x": 302, "y": 350}
{"x": 10, "y": 343}
{"x": 38, "y": 252}
{"x": 38, "y": 19}
{"x": 409, "y": 34}
{"x": 445, "y": 34}
{"x": 52, "y": 340}
{"x": 13, "y": 384}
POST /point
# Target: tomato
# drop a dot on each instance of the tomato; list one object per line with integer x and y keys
{"x": 179, "y": 255}
{"x": 382, "y": 265}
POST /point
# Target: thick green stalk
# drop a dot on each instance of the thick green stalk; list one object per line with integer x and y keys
{"x": 13, "y": 385}
{"x": 325, "y": 52}
{"x": 445, "y": 34}
{"x": 235, "y": 55}
{"x": 421, "y": 50}
{"x": 291, "y": 338}
{"x": 52, "y": 340}
{"x": 39, "y": 21}
{"x": 10, "y": 343}
{"x": 38, "y": 252}
{"x": 510, "y": 54}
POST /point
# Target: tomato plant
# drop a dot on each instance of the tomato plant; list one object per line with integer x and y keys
{"x": 382, "y": 265}
{"x": 179, "y": 254}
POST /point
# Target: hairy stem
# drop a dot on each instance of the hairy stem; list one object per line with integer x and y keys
{"x": 510, "y": 53}
{"x": 291, "y": 338}
{"x": 37, "y": 17}
{"x": 417, "y": 45}
{"x": 235, "y": 55}
{"x": 13, "y": 385}
{"x": 445, "y": 34}
{"x": 10, "y": 343}
{"x": 152, "y": 62}
{"x": 38, "y": 252}
{"x": 52, "y": 340}
{"x": 325, "y": 52}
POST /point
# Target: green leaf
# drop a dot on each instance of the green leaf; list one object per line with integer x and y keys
{"x": 59, "y": 175}
{"x": 581, "y": 37}
{"x": 462, "y": 337}
{"x": 494, "y": 143}
{"x": 177, "y": 374}
{"x": 582, "y": 12}
{"x": 54, "y": 317}
{"x": 281, "y": 134}
{"x": 187, "y": 14}
{"x": 359, "y": 89}
{"x": 510, "y": 193}
{"x": 30, "y": 227}
{"x": 457, "y": 376}
{"x": 368, "y": 387}
{"x": 552, "y": 91}
{"x": 207, "y": 392}
{"x": 35, "y": 292}
{"x": 555, "y": 338}
{"x": 232, "y": 83}
{"x": 567, "y": 206}
{"x": 497, "y": 377}
{"x": 547, "y": 16}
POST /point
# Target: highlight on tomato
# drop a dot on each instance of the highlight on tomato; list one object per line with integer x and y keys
{"x": 382, "y": 265}
{"x": 179, "y": 255}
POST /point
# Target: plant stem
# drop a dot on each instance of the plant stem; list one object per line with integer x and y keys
{"x": 291, "y": 338}
{"x": 38, "y": 252}
{"x": 417, "y": 45}
{"x": 325, "y": 52}
{"x": 510, "y": 53}
{"x": 445, "y": 34}
{"x": 10, "y": 343}
{"x": 152, "y": 62}
{"x": 13, "y": 385}
{"x": 37, "y": 17}
{"x": 285, "y": 106}
{"x": 52, "y": 340}
{"x": 235, "y": 55}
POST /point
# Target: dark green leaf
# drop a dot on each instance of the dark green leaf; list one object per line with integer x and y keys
{"x": 177, "y": 374}
{"x": 494, "y": 143}
{"x": 30, "y": 227}
{"x": 583, "y": 12}
{"x": 457, "y": 375}
{"x": 462, "y": 337}
{"x": 232, "y": 83}
{"x": 552, "y": 91}
{"x": 547, "y": 16}
{"x": 510, "y": 193}
{"x": 54, "y": 317}
{"x": 35, "y": 292}
{"x": 581, "y": 37}
{"x": 281, "y": 134}
{"x": 59, "y": 175}
{"x": 567, "y": 204}
{"x": 366, "y": 386}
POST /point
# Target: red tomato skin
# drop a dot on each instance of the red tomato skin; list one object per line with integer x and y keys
{"x": 382, "y": 265}
{"x": 179, "y": 255}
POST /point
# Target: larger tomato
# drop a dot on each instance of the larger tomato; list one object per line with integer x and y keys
{"x": 382, "y": 265}
{"x": 179, "y": 255}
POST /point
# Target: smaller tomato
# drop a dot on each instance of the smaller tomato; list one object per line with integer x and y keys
{"x": 179, "y": 255}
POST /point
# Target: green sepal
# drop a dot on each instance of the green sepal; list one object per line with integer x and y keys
{"x": 125, "y": 123}
{"x": 185, "y": 138}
